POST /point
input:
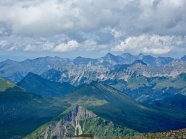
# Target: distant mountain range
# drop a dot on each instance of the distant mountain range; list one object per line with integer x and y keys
{"x": 85, "y": 70}
{"x": 141, "y": 88}
{"x": 77, "y": 75}
{"x": 144, "y": 78}
{"x": 149, "y": 89}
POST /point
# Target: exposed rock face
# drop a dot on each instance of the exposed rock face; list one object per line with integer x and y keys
{"x": 76, "y": 122}
{"x": 75, "y": 116}
{"x": 84, "y": 70}
{"x": 72, "y": 124}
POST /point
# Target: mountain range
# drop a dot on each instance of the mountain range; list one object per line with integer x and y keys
{"x": 103, "y": 111}
{"x": 149, "y": 89}
{"x": 111, "y": 96}
{"x": 112, "y": 109}
{"x": 84, "y": 70}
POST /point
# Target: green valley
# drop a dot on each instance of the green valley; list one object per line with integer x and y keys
{"x": 22, "y": 111}
{"x": 114, "y": 113}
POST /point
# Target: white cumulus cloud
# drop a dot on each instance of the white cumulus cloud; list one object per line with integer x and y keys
{"x": 149, "y": 44}
{"x": 64, "y": 47}
{"x": 3, "y": 43}
{"x": 47, "y": 46}
{"x": 132, "y": 16}
{"x": 93, "y": 26}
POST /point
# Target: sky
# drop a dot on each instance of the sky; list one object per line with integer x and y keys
{"x": 91, "y": 28}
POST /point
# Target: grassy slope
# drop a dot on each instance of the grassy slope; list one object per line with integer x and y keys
{"x": 114, "y": 106}
{"x": 5, "y": 85}
{"x": 22, "y": 112}
{"x": 40, "y": 86}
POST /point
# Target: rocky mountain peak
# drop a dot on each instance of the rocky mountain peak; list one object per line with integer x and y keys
{"x": 108, "y": 55}
{"x": 127, "y": 55}
{"x": 31, "y": 76}
{"x": 139, "y": 62}
{"x": 71, "y": 124}
{"x": 183, "y": 58}
{"x": 79, "y": 113}
{"x": 140, "y": 56}
{"x": 78, "y": 121}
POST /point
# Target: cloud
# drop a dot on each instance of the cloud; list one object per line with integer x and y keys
{"x": 130, "y": 16}
{"x": 149, "y": 44}
{"x": 116, "y": 33}
{"x": 44, "y": 18}
{"x": 4, "y": 29}
{"x": 3, "y": 43}
{"x": 146, "y": 26}
{"x": 91, "y": 45}
{"x": 65, "y": 47}
{"x": 162, "y": 17}
{"x": 44, "y": 45}
{"x": 61, "y": 47}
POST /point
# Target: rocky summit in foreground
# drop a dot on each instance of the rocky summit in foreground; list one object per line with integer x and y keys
{"x": 173, "y": 134}
{"x": 77, "y": 122}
